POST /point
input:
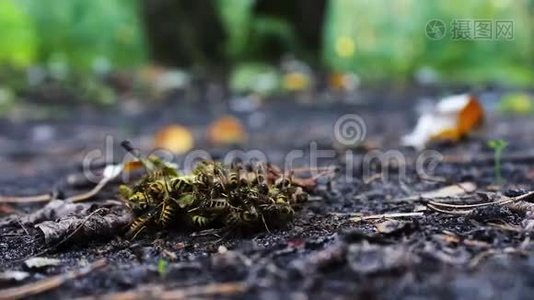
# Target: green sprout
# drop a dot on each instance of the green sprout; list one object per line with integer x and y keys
{"x": 162, "y": 267}
{"x": 498, "y": 147}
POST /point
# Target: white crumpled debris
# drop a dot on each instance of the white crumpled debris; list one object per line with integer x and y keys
{"x": 41, "y": 262}
{"x": 449, "y": 119}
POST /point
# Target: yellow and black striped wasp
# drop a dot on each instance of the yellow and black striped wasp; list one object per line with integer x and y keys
{"x": 213, "y": 195}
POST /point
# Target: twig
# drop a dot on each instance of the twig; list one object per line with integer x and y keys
{"x": 157, "y": 292}
{"x": 526, "y": 197}
{"x": 84, "y": 196}
{"x": 230, "y": 288}
{"x": 387, "y": 216}
{"x": 76, "y": 198}
{"x": 26, "y": 199}
{"x": 467, "y": 208}
{"x": 488, "y": 253}
{"x": 452, "y": 212}
{"x": 22, "y": 226}
{"x": 482, "y": 159}
{"x": 50, "y": 283}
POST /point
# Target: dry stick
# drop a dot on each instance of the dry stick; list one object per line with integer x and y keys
{"x": 26, "y": 199}
{"x": 91, "y": 193}
{"x": 521, "y": 157}
{"x": 506, "y": 200}
{"x": 475, "y": 261}
{"x": 452, "y": 212}
{"x": 22, "y": 226}
{"x": 388, "y": 216}
{"x": 48, "y": 197}
{"x": 230, "y": 288}
{"x": 157, "y": 292}
{"x": 526, "y": 196}
{"x": 47, "y": 284}
{"x": 466, "y": 206}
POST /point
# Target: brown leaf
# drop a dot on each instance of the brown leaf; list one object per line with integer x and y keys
{"x": 451, "y": 190}
{"x": 107, "y": 223}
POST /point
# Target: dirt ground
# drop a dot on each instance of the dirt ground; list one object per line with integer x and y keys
{"x": 484, "y": 253}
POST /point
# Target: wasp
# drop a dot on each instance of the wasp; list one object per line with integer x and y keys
{"x": 213, "y": 195}
{"x": 243, "y": 218}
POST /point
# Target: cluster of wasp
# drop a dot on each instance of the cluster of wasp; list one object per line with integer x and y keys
{"x": 236, "y": 197}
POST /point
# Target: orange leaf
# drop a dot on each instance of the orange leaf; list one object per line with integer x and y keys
{"x": 226, "y": 130}
{"x": 453, "y": 118}
{"x": 175, "y": 138}
{"x": 132, "y": 166}
{"x": 336, "y": 81}
{"x": 470, "y": 116}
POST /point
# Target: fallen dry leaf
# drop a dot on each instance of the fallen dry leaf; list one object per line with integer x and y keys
{"x": 226, "y": 130}
{"x": 101, "y": 223}
{"x": 53, "y": 209}
{"x": 41, "y": 262}
{"x": 132, "y": 166}
{"x": 390, "y": 226}
{"x": 175, "y": 138}
{"x": 452, "y": 119}
{"x": 451, "y": 190}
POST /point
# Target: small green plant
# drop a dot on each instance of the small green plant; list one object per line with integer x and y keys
{"x": 498, "y": 147}
{"x": 162, "y": 267}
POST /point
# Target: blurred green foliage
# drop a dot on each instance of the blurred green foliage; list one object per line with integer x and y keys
{"x": 517, "y": 103}
{"x": 85, "y": 35}
{"x": 380, "y": 39}
{"x": 248, "y": 33}
{"x": 386, "y": 39}
{"x": 236, "y": 16}
{"x": 258, "y": 78}
{"x": 19, "y": 41}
